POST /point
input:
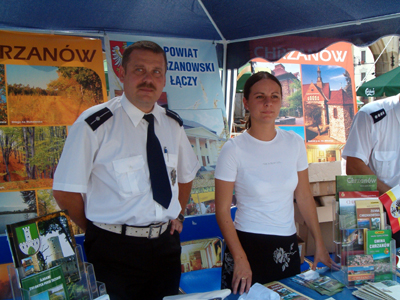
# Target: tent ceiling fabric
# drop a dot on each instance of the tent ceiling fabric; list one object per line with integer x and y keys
{"x": 235, "y": 19}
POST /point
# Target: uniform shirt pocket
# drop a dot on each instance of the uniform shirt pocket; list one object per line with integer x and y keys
{"x": 131, "y": 176}
{"x": 171, "y": 161}
{"x": 385, "y": 163}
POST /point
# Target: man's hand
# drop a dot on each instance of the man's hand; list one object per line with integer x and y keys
{"x": 176, "y": 225}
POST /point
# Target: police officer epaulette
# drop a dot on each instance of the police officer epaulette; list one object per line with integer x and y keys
{"x": 98, "y": 118}
{"x": 378, "y": 115}
{"x": 175, "y": 116}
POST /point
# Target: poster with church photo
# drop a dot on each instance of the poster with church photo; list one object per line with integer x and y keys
{"x": 207, "y": 132}
{"x": 328, "y": 103}
{"x": 289, "y": 76}
{"x": 318, "y": 97}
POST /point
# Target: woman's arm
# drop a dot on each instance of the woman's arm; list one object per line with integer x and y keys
{"x": 306, "y": 204}
{"x": 223, "y": 201}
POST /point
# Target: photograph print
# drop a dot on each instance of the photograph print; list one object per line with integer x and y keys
{"x": 29, "y": 156}
{"x": 328, "y": 103}
{"x": 206, "y": 131}
{"x": 46, "y": 95}
{"x": 16, "y": 207}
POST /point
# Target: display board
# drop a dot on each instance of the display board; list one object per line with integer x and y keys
{"x": 319, "y": 100}
{"x": 46, "y": 81}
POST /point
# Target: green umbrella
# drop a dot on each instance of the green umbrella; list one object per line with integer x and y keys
{"x": 245, "y": 73}
{"x": 387, "y": 84}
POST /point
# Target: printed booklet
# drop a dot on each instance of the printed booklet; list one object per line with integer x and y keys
{"x": 352, "y": 183}
{"x": 43, "y": 251}
{"x": 377, "y": 244}
{"x": 360, "y": 269}
{"x": 347, "y": 206}
{"x": 49, "y": 284}
{"x": 369, "y": 214}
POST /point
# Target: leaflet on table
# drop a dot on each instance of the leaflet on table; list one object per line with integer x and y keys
{"x": 387, "y": 289}
{"x": 285, "y": 292}
{"x": 324, "y": 285}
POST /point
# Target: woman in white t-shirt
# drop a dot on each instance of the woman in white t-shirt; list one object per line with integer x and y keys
{"x": 266, "y": 166}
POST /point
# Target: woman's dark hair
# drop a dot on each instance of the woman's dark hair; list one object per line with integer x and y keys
{"x": 253, "y": 79}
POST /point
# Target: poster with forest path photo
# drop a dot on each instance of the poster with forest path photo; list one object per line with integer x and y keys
{"x": 47, "y": 81}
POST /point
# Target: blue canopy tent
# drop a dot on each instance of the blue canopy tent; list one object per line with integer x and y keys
{"x": 308, "y": 26}
{"x": 236, "y": 27}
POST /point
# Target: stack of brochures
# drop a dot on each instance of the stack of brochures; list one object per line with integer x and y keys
{"x": 324, "y": 285}
{"x": 387, "y": 289}
{"x": 47, "y": 262}
{"x": 362, "y": 234}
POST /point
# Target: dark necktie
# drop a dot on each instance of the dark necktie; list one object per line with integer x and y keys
{"x": 158, "y": 171}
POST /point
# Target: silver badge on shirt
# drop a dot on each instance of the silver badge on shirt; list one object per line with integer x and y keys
{"x": 173, "y": 176}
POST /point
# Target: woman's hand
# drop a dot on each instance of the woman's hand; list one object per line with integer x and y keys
{"x": 322, "y": 255}
{"x": 241, "y": 276}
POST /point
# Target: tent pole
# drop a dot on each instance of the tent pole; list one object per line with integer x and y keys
{"x": 225, "y": 45}
{"x": 211, "y": 19}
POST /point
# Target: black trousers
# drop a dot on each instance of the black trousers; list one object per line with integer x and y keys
{"x": 135, "y": 267}
{"x": 271, "y": 257}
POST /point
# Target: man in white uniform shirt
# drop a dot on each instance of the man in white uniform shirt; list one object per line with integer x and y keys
{"x": 373, "y": 145}
{"x": 103, "y": 180}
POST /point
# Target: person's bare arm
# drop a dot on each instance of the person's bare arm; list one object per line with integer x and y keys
{"x": 73, "y": 202}
{"x": 355, "y": 166}
{"x": 223, "y": 199}
{"x": 306, "y": 204}
{"x": 184, "y": 194}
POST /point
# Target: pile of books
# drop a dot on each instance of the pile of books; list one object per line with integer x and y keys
{"x": 385, "y": 290}
{"x": 365, "y": 254}
{"x": 324, "y": 285}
